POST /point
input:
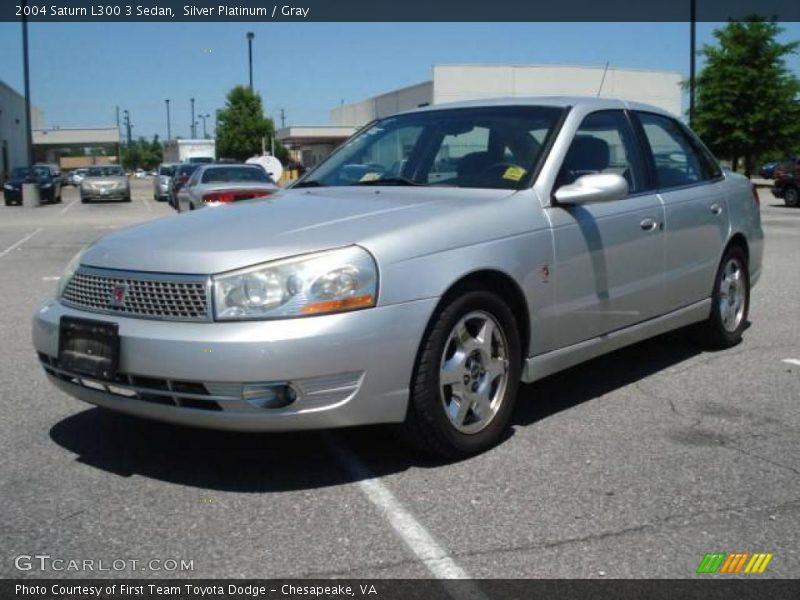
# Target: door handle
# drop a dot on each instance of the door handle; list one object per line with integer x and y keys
{"x": 648, "y": 224}
{"x": 716, "y": 209}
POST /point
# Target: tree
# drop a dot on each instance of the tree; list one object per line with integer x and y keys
{"x": 747, "y": 100}
{"x": 142, "y": 154}
{"x": 241, "y": 126}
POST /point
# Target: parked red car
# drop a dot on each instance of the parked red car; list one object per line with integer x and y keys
{"x": 786, "y": 182}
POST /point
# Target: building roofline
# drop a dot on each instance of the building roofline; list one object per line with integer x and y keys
{"x": 561, "y": 66}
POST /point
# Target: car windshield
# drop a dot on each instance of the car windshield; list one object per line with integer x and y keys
{"x": 238, "y": 174}
{"x": 488, "y": 147}
{"x": 105, "y": 172}
{"x": 167, "y": 170}
{"x": 21, "y": 172}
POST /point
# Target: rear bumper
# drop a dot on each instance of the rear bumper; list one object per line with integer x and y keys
{"x": 95, "y": 195}
{"x": 778, "y": 192}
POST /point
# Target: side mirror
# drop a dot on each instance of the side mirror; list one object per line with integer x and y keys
{"x": 600, "y": 187}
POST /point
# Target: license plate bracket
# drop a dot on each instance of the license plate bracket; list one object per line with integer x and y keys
{"x": 88, "y": 347}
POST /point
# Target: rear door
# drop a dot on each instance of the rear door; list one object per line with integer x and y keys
{"x": 687, "y": 180}
{"x": 609, "y": 255}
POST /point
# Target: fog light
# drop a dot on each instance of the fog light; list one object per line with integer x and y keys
{"x": 269, "y": 395}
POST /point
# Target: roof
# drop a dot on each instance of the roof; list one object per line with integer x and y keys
{"x": 564, "y": 101}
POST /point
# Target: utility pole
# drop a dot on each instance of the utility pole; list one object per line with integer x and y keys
{"x": 692, "y": 52}
{"x": 169, "y": 130}
{"x": 27, "y": 76}
{"x": 119, "y": 150}
{"x": 127, "y": 119}
{"x": 204, "y": 117}
{"x": 283, "y": 118}
{"x": 193, "y": 130}
{"x": 250, "y": 36}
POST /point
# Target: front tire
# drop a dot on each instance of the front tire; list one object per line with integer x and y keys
{"x": 791, "y": 197}
{"x": 730, "y": 302}
{"x": 466, "y": 377}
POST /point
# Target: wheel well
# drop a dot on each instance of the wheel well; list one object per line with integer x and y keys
{"x": 739, "y": 240}
{"x": 507, "y": 289}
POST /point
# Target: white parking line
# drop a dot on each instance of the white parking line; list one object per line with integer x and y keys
{"x": 20, "y": 242}
{"x": 792, "y": 361}
{"x": 415, "y": 536}
{"x": 68, "y": 206}
{"x": 147, "y": 205}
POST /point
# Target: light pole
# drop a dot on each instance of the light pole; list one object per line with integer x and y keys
{"x": 127, "y": 118}
{"x": 692, "y": 51}
{"x": 193, "y": 130}
{"x": 169, "y": 130}
{"x": 250, "y": 36}
{"x": 204, "y": 117}
{"x": 27, "y": 76}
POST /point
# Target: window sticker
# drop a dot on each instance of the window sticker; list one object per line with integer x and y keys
{"x": 514, "y": 173}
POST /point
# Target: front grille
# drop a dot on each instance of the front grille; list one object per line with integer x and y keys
{"x": 143, "y": 295}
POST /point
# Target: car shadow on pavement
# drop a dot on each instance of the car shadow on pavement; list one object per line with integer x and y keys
{"x": 274, "y": 462}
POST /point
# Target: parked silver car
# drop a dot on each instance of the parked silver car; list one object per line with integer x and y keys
{"x": 416, "y": 276}
{"x": 162, "y": 181}
{"x": 215, "y": 185}
{"x": 108, "y": 182}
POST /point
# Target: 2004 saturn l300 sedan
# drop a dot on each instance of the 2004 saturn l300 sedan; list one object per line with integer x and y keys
{"x": 429, "y": 265}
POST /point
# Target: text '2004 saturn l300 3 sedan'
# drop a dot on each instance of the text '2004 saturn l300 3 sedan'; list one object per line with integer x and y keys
{"x": 430, "y": 264}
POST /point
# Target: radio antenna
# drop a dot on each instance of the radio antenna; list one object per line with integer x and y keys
{"x": 603, "y": 80}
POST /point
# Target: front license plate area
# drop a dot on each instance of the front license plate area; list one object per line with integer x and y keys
{"x": 89, "y": 348}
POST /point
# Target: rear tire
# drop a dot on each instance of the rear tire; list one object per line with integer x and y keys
{"x": 730, "y": 302}
{"x": 466, "y": 377}
{"x": 791, "y": 197}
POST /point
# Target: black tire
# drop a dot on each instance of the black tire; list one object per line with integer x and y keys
{"x": 84, "y": 200}
{"x": 713, "y": 333}
{"x": 791, "y": 197}
{"x": 126, "y": 199}
{"x": 9, "y": 203}
{"x": 427, "y": 426}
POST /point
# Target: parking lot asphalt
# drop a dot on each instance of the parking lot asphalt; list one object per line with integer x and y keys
{"x": 633, "y": 465}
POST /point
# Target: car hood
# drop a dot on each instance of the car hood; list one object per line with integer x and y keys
{"x": 289, "y": 223}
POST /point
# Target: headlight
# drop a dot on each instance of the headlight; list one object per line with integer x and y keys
{"x": 47, "y": 185}
{"x": 314, "y": 284}
{"x": 7, "y": 186}
{"x": 69, "y": 271}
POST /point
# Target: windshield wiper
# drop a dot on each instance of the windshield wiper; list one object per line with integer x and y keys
{"x": 303, "y": 184}
{"x": 399, "y": 180}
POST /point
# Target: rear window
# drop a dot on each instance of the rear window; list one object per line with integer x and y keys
{"x": 235, "y": 174}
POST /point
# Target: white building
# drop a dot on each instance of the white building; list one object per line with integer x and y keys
{"x": 453, "y": 83}
{"x": 13, "y": 139}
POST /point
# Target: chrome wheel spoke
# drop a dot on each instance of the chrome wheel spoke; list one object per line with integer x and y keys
{"x": 732, "y": 295}
{"x": 453, "y": 372}
{"x": 497, "y": 367}
{"x": 485, "y": 336}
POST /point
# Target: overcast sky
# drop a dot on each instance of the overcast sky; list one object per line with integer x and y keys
{"x": 81, "y": 72}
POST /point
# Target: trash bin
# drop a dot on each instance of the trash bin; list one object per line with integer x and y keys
{"x": 30, "y": 195}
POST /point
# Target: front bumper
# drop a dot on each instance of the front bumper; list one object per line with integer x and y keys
{"x": 114, "y": 194}
{"x": 349, "y": 369}
{"x": 12, "y": 195}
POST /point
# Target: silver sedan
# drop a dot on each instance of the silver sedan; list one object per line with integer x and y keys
{"x": 416, "y": 277}
{"x": 215, "y": 185}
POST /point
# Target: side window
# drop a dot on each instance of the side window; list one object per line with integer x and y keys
{"x": 604, "y": 143}
{"x": 677, "y": 158}
{"x": 193, "y": 179}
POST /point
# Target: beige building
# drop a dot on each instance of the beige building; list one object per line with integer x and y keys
{"x": 453, "y": 83}
{"x": 13, "y": 139}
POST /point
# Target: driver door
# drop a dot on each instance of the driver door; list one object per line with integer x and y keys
{"x": 609, "y": 255}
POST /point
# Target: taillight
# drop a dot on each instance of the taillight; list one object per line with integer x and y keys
{"x": 234, "y": 196}
{"x": 756, "y": 199}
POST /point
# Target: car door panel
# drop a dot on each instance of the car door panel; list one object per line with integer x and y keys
{"x": 696, "y": 220}
{"x": 608, "y": 266}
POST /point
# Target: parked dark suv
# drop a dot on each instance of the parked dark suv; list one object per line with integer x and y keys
{"x": 182, "y": 174}
{"x": 786, "y": 182}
